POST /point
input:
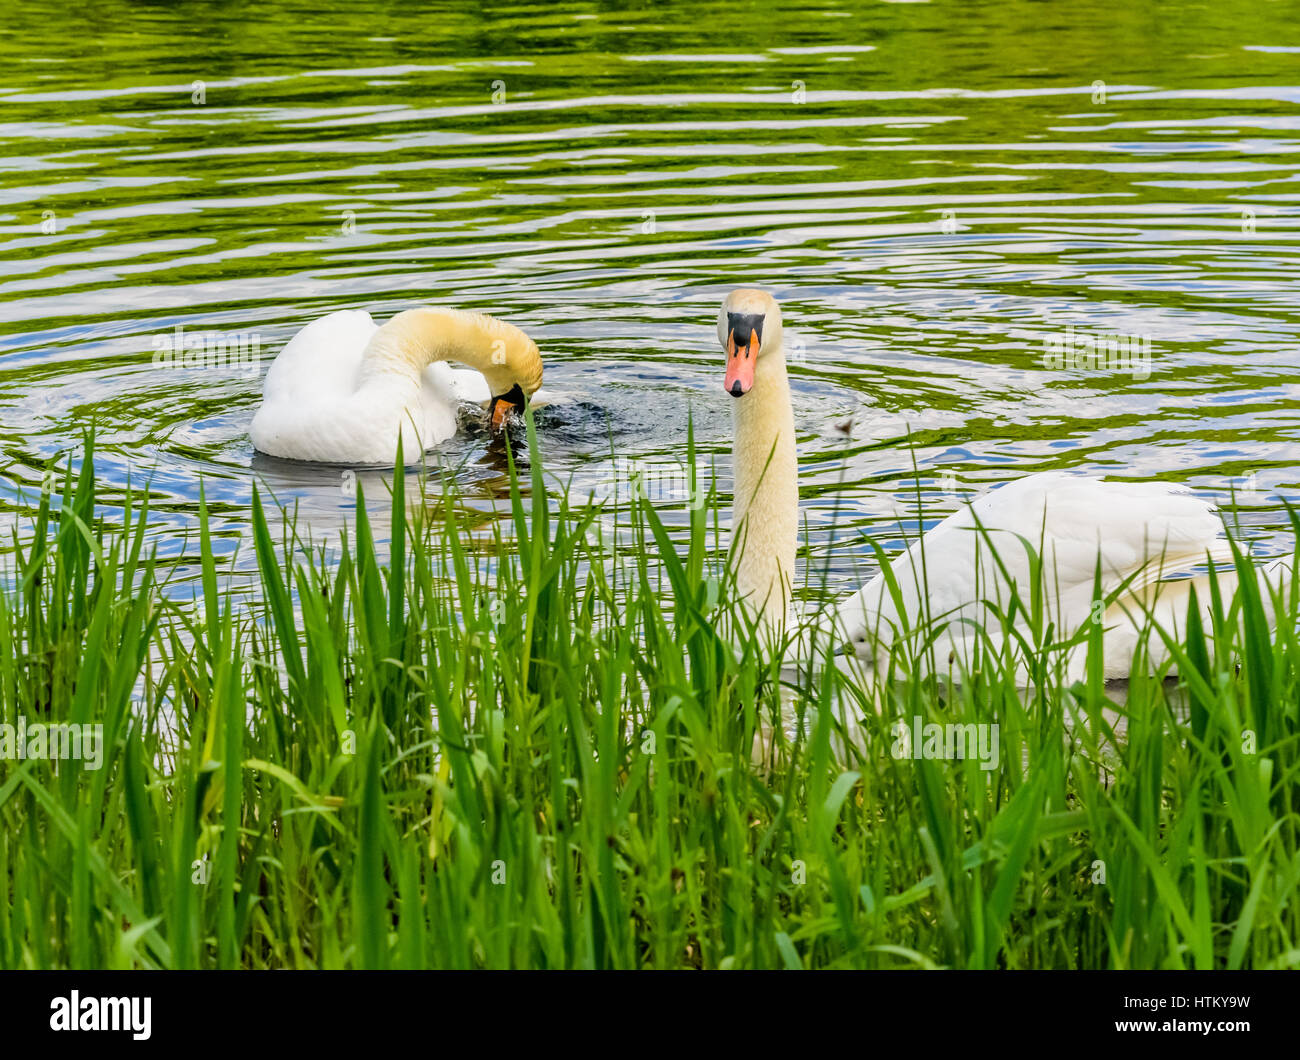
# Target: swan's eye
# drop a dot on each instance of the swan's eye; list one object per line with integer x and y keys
{"x": 856, "y": 644}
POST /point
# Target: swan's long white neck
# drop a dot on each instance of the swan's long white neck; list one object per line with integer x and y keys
{"x": 414, "y": 339}
{"x": 766, "y": 506}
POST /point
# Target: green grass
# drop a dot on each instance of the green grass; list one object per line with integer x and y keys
{"x": 526, "y": 745}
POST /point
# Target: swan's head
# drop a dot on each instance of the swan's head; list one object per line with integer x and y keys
{"x": 749, "y": 329}
{"x": 858, "y": 641}
{"x": 862, "y": 628}
{"x": 513, "y": 374}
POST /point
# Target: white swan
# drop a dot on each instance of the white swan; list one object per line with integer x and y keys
{"x": 1141, "y": 534}
{"x": 343, "y": 388}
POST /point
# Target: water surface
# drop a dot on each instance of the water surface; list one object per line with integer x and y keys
{"x": 936, "y": 192}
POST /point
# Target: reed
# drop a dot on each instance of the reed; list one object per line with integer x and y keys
{"x": 524, "y": 743}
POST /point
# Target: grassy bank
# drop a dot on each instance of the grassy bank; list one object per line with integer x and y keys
{"x": 517, "y": 745}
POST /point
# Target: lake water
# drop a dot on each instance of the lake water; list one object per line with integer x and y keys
{"x": 940, "y": 195}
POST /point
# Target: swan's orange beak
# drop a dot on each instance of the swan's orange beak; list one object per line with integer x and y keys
{"x": 503, "y": 406}
{"x": 741, "y": 358}
{"x": 501, "y": 411}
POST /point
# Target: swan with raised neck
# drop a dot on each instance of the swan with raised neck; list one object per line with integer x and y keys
{"x": 765, "y": 507}
{"x": 1146, "y": 542}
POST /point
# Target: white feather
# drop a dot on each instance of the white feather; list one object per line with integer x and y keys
{"x": 1134, "y": 536}
{"x": 315, "y": 407}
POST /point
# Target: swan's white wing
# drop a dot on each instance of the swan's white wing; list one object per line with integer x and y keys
{"x": 307, "y": 410}
{"x": 447, "y": 387}
{"x": 1145, "y": 529}
{"x": 313, "y": 407}
{"x": 468, "y": 386}
{"x": 322, "y": 360}
{"x": 453, "y": 385}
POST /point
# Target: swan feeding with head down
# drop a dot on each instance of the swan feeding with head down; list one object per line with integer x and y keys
{"x": 344, "y": 388}
{"x": 1147, "y": 542}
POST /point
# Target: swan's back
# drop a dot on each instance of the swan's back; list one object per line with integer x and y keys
{"x": 1140, "y": 532}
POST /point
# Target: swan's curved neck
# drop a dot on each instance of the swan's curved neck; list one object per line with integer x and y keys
{"x": 414, "y": 339}
{"x": 766, "y": 505}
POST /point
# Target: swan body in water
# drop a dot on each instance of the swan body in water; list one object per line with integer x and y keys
{"x": 1148, "y": 542}
{"x": 344, "y": 388}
